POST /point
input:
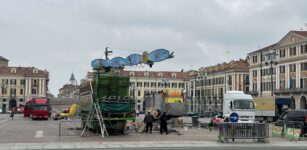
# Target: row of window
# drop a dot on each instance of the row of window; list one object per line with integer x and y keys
{"x": 154, "y": 84}
{"x": 282, "y": 69}
{"x": 20, "y": 100}
{"x": 13, "y": 91}
{"x": 293, "y": 51}
{"x": 21, "y": 82}
{"x": 266, "y": 86}
{"x": 282, "y": 53}
{"x": 139, "y": 92}
{"x": 13, "y": 82}
{"x": 207, "y": 82}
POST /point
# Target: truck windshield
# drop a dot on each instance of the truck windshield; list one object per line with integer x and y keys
{"x": 243, "y": 104}
{"x": 38, "y": 107}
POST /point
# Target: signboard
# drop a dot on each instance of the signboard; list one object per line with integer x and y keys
{"x": 174, "y": 93}
{"x": 234, "y": 117}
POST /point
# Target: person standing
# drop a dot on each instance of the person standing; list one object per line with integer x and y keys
{"x": 149, "y": 121}
{"x": 163, "y": 123}
{"x": 12, "y": 112}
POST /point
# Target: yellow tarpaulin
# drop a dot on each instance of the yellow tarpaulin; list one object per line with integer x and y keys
{"x": 264, "y": 103}
{"x": 174, "y": 100}
{"x": 72, "y": 111}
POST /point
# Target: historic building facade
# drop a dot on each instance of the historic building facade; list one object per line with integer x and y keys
{"x": 145, "y": 82}
{"x": 279, "y": 71}
{"x": 211, "y": 83}
{"x": 69, "y": 90}
{"x": 20, "y": 83}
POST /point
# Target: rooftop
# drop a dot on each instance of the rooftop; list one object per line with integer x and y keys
{"x": 22, "y": 70}
{"x": 239, "y": 64}
{"x": 2, "y": 58}
{"x": 156, "y": 74}
{"x": 263, "y": 49}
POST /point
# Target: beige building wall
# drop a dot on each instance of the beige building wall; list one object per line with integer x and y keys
{"x": 21, "y": 83}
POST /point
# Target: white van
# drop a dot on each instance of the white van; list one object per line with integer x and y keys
{"x": 240, "y": 103}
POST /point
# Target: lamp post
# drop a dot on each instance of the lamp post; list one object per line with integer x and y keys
{"x": 165, "y": 83}
{"x": 3, "y": 86}
{"x": 271, "y": 62}
{"x": 201, "y": 95}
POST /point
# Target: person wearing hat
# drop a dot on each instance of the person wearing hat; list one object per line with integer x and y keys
{"x": 149, "y": 121}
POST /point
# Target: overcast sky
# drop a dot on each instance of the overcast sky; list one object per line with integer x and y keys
{"x": 63, "y": 36}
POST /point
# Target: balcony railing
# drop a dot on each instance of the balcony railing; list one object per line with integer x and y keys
{"x": 292, "y": 90}
{"x": 13, "y": 95}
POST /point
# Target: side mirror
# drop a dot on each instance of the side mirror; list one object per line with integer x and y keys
{"x": 230, "y": 105}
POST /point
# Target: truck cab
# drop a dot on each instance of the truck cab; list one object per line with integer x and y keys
{"x": 240, "y": 103}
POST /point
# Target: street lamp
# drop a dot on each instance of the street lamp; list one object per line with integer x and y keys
{"x": 199, "y": 93}
{"x": 271, "y": 62}
{"x": 3, "y": 86}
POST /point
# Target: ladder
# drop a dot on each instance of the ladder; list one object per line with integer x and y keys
{"x": 95, "y": 111}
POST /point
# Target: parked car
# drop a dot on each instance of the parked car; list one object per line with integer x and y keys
{"x": 294, "y": 118}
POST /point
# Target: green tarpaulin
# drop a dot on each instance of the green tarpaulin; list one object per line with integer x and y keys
{"x": 116, "y": 107}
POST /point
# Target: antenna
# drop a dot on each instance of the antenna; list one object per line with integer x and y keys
{"x": 107, "y": 52}
{"x": 228, "y": 55}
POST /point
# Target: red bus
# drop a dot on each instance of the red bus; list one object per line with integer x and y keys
{"x": 37, "y": 108}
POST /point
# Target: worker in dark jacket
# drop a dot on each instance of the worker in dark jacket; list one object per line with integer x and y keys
{"x": 163, "y": 123}
{"x": 149, "y": 121}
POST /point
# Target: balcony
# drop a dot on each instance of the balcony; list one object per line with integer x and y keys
{"x": 292, "y": 90}
{"x": 12, "y": 95}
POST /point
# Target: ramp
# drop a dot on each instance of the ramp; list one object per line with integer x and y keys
{"x": 141, "y": 128}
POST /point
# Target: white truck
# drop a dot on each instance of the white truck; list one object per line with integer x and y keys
{"x": 240, "y": 103}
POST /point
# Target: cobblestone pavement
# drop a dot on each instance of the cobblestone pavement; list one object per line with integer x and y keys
{"x": 4, "y": 117}
{"x": 25, "y": 130}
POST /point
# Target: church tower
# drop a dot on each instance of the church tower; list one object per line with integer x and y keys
{"x": 72, "y": 80}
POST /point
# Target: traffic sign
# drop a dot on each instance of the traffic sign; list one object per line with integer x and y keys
{"x": 234, "y": 117}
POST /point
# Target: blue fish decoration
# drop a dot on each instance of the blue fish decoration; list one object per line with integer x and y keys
{"x": 118, "y": 62}
{"x": 159, "y": 55}
{"x": 97, "y": 64}
{"x": 134, "y": 59}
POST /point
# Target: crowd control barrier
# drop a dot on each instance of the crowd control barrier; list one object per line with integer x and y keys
{"x": 256, "y": 131}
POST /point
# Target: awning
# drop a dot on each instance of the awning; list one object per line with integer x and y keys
{"x": 283, "y": 101}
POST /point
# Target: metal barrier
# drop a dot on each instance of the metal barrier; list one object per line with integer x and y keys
{"x": 70, "y": 128}
{"x": 255, "y": 131}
